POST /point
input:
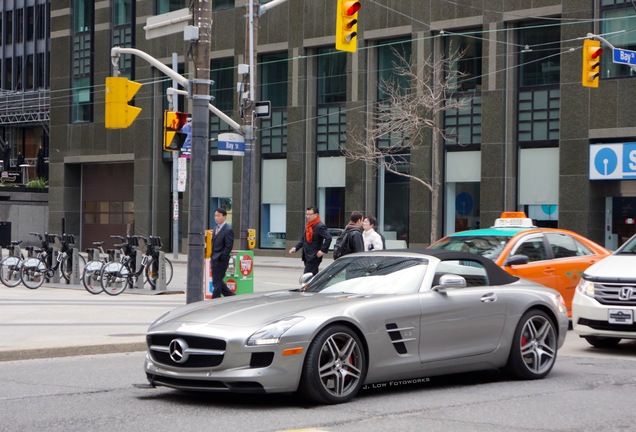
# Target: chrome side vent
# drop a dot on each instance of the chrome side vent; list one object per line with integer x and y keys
{"x": 397, "y": 339}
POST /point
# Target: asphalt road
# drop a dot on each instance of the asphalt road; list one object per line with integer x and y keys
{"x": 588, "y": 390}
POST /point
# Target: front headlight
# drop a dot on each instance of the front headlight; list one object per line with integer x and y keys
{"x": 586, "y": 287}
{"x": 272, "y": 332}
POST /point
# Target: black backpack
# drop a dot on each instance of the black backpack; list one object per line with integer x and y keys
{"x": 342, "y": 245}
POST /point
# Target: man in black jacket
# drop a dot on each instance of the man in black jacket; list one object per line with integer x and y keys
{"x": 355, "y": 241}
{"x": 222, "y": 244}
{"x": 314, "y": 242}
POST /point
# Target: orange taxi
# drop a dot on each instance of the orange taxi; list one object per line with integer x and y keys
{"x": 552, "y": 257}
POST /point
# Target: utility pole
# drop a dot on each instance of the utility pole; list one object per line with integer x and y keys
{"x": 199, "y": 162}
{"x": 247, "y": 109}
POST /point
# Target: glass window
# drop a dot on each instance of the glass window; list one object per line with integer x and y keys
{"x": 274, "y": 79}
{"x": 617, "y": 16}
{"x": 539, "y": 61}
{"x": 164, "y": 6}
{"x": 533, "y": 248}
{"x": 82, "y": 15}
{"x": 223, "y": 90}
{"x": 218, "y": 5}
{"x": 332, "y": 76}
{"x": 390, "y": 54}
{"x": 122, "y": 12}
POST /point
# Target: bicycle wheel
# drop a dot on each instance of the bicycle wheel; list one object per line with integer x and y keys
{"x": 114, "y": 278}
{"x": 91, "y": 278}
{"x": 152, "y": 273}
{"x": 33, "y": 272}
{"x": 10, "y": 271}
{"x": 66, "y": 267}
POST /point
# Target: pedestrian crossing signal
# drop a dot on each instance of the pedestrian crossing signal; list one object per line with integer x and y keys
{"x": 173, "y": 122}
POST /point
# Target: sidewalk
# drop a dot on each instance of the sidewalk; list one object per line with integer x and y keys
{"x": 58, "y": 320}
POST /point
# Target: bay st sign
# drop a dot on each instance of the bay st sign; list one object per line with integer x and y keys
{"x": 624, "y": 56}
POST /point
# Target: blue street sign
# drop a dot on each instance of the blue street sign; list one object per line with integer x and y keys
{"x": 624, "y": 56}
{"x": 231, "y": 144}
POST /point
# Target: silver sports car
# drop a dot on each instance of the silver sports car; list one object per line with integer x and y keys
{"x": 367, "y": 318}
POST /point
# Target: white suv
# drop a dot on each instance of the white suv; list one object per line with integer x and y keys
{"x": 604, "y": 303}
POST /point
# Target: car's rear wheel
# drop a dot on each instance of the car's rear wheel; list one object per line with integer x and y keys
{"x": 602, "y": 342}
{"x": 534, "y": 347}
{"x": 335, "y": 366}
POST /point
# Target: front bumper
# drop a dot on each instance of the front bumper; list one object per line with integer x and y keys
{"x": 227, "y": 368}
{"x": 590, "y": 318}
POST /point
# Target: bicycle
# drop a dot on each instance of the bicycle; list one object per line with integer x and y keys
{"x": 116, "y": 276}
{"x": 66, "y": 266}
{"x": 35, "y": 270}
{"x": 92, "y": 276}
{"x": 153, "y": 247}
{"x": 10, "y": 266}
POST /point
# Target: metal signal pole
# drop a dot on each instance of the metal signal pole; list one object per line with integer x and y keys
{"x": 199, "y": 162}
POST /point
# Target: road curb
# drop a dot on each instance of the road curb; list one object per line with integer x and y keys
{"x": 38, "y": 353}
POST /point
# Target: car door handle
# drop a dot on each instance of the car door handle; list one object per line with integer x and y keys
{"x": 548, "y": 270}
{"x": 489, "y": 298}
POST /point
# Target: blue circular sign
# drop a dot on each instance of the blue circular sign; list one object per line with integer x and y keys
{"x": 606, "y": 161}
{"x": 463, "y": 204}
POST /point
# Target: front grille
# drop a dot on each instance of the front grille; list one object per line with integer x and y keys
{"x": 607, "y": 293}
{"x": 201, "y": 352}
{"x": 604, "y": 325}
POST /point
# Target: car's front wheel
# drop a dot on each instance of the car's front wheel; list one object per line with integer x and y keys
{"x": 602, "y": 342}
{"x": 335, "y": 366}
{"x": 534, "y": 347}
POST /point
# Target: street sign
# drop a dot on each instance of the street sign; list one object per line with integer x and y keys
{"x": 168, "y": 23}
{"x": 263, "y": 109}
{"x": 231, "y": 144}
{"x": 624, "y": 56}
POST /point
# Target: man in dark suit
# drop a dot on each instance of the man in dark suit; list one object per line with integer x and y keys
{"x": 222, "y": 244}
{"x": 314, "y": 242}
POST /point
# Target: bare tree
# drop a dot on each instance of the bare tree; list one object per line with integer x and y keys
{"x": 416, "y": 99}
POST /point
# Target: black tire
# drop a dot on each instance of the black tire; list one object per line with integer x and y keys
{"x": 152, "y": 273}
{"x": 66, "y": 267}
{"x": 534, "y": 347}
{"x": 33, "y": 273}
{"x": 114, "y": 278}
{"x": 91, "y": 279}
{"x": 602, "y": 342}
{"x": 10, "y": 271}
{"x": 335, "y": 367}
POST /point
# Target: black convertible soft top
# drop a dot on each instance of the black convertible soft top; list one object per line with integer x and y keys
{"x": 496, "y": 275}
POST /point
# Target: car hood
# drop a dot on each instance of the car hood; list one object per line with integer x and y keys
{"x": 614, "y": 267}
{"x": 252, "y": 310}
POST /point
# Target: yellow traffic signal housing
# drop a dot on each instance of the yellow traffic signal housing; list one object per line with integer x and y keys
{"x": 347, "y": 25}
{"x": 173, "y": 121}
{"x": 119, "y": 91}
{"x": 591, "y": 63}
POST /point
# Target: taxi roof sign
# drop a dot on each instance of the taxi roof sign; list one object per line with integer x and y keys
{"x": 514, "y": 220}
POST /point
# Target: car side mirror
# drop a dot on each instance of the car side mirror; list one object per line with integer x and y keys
{"x": 516, "y": 260}
{"x": 449, "y": 281}
{"x": 305, "y": 278}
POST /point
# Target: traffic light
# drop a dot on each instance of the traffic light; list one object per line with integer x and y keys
{"x": 173, "y": 122}
{"x": 119, "y": 91}
{"x": 591, "y": 63}
{"x": 347, "y": 25}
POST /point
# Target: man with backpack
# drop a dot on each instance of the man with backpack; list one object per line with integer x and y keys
{"x": 350, "y": 241}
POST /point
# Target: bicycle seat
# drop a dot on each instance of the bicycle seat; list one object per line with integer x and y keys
{"x": 15, "y": 242}
{"x": 98, "y": 243}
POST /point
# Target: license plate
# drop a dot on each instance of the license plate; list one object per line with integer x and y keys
{"x": 620, "y": 316}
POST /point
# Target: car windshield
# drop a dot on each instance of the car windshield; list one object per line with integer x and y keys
{"x": 371, "y": 274}
{"x": 489, "y": 246}
{"x": 629, "y": 247}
